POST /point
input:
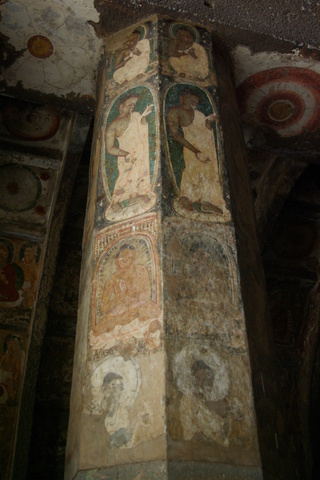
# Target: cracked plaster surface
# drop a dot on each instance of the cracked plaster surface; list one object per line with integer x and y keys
{"x": 76, "y": 49}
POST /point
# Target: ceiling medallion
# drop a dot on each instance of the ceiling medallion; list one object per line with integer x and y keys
{"x": 286, "y": 99}
{"x": 40, "y": 46}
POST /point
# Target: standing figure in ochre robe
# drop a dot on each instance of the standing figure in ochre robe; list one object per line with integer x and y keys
{"x": 200, "y": 182}
{"x": 29, "y": 266}
{"x": 130, "y": 129}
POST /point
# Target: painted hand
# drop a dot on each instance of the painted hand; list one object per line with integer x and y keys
{"x": 203, "y": 158}
{"x": 131, "y": 158}
{"x": 147, "y": 111}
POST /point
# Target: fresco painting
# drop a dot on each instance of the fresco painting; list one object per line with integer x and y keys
{"x": 19, "y": 271}
{"x": 12, "y": 362}
{"x": 30, "y": 122}
{"x": 115, "y": 385}
{"x": 20, "y": 188}
{"x": 185, "y": 58}
{"x": 125, "y": 300}
{"x": 193, "y": 390}
{"x": 124, "y": 405}
{"x": 131, "y": 154}
{"x": 194, "y": 152}
{"x": 283, "y": 99}
{"x": 27, "y": 126}
{"x": 27, "y": 184}
{"x": 209, "y": 396}
{"x": 201, "y": 288}
{"x": 131, "y": 61}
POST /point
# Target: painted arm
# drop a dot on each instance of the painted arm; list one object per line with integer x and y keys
{"x": 110, "y": 140}
{"x": 173, "y": 119}
{"x": 122, "y": 58}
{"x": 107, "y": 297}
{"x": 210, "y": 119}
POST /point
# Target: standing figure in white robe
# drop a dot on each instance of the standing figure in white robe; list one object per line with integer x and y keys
{"x": 132, "y": 60}
{"x": 200, "y": 182}
{"x": 131, "y": 131}
{"x": 188, "y": 58}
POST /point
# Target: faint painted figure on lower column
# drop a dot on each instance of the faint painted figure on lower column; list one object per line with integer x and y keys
{"x": 29, "y": 257}
{"x": 125, "y": 307}
{"x": 200, "y": 186}
{"x": 115, "y": 385}
{"x": 11, "y": 369}
{"x": 127, "y": 139}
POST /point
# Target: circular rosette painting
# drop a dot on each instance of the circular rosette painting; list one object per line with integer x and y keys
{"x": 286, "y": 100}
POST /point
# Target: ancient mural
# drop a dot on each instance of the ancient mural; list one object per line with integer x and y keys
{"x": 27, "y": 186}
{"x": 194, "y": 153}
{"x": 115, "y": 386}
{"x": 125, "y": 305}
{"x": 184, "y": 57}
{"x": 125, "y": 337}
{"x": 26, "y": 125}
{"x": 209, "y": 395}
{"x": 279, "y": 105}
{"x": 131, "y": 59}
{"x": 196, "y": 306}
{"x": 19, "y": 273}
{"x": 59, "y": 50}
{"x": 30, "y": 122}
{"x": 12, "y": 363}
{"x": 34, "y": 139}
{"x": 201, "y": 287}
{"x": 124, "y": 406}
{"x": 131, "y": 156}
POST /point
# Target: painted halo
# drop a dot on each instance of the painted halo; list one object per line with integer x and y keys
{"x": 130, "y": 373}
{"x": 286, "y": 99}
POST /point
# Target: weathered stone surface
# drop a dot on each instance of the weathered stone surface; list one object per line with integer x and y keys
{"x": 173, "y": 471}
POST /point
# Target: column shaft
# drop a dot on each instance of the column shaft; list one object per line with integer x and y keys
{"x": 162, "y": 382}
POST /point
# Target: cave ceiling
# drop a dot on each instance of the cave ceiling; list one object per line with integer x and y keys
{"x": 51, "y": 51}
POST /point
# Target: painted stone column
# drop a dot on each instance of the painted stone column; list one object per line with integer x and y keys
{"x": 162, "y": 382}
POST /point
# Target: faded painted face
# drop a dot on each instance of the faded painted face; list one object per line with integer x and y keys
{"x": 30, "y": 255}
{"x": 128, "y": 105}
{"x": 132, "y": 40}
{"x": 111, "y": 394}
{"x": 11, "y": 346}
{"x": 203, "y": 377}
{"x": 185, "y": 37}
{"x": 189, "y": 100}
{"x": 126, "y": 258}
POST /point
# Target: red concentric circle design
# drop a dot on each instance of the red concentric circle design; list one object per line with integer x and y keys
{"x": 285, "y": 99}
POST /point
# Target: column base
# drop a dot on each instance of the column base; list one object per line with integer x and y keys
{"x": 161, "y": 470}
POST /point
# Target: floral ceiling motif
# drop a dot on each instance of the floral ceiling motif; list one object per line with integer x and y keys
{"x": 61, "y": 50}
